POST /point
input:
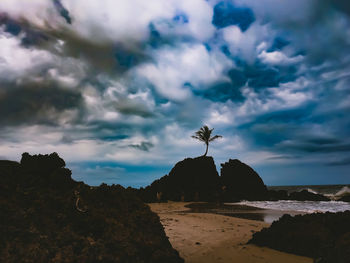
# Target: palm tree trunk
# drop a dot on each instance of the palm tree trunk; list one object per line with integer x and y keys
{"x": 206, "y": 151}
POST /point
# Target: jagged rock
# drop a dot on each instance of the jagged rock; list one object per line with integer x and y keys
{"x": 305, "y": 195}
{"x": 42, "y": 163}
{"x": 240, "y": 182}
{"x": 46, "y": 216}
{"x": 193, "y": 179}
{"x": 325, "y": 237}
{"x": 277, "y": 195}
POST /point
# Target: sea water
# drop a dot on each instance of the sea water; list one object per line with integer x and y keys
{"x": 334, "y": 192}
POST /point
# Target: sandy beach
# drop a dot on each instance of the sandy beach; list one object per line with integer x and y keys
{"x": 208, "y": 238}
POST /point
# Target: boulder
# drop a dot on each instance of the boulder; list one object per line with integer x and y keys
{"x": 305, "y": 195}
{"x": 193, "y": 179}
{"x": 324, "y": 237}
{"x": 240, "y": 182}
{"x": 46, "y": 216}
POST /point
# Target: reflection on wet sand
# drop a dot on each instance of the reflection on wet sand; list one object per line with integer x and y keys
{"x": 240, "y": 211}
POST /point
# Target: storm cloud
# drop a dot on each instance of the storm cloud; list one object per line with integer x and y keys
{"x": 118, "y": 87}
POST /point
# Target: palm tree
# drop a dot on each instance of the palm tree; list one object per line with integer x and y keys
{"x": 203, "y": 134}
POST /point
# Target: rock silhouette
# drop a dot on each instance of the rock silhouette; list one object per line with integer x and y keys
{"x": 192, "y": 179}
{"x": 278, "y": 195}
{"x": 196, "y": 179}
{"x": 46, "y": 216}
{"x": 324, "y": 237}
{"x": 305, "y": 195}
{"x": 240, "y": 181}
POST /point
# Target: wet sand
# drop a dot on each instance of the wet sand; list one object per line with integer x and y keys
{"x": 240, "y": 211}
{"x": 213, "y": 237}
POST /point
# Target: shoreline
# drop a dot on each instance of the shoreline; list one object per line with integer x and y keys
{"x": 208, "y": 237}
{"x": 240, "y": 211}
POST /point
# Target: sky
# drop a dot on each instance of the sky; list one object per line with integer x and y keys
{"x": 117, "y": 87}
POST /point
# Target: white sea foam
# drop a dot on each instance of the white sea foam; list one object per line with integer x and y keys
{"x": 301, "y": 206}
{"x": 310, "y": 191}
{"x": 344, "y": 191}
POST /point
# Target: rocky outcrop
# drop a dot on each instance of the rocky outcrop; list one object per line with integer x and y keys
{"x": 274, "y": 195}
{"x": 305, "y": 195}
{"x": 193, "y": 179}
{"x": 324, "y": 237}
{"x": 196, "y": 179}
{"x": 239, "y": 181}
{"x": 46, "y": 216}
{"x": 345, "y": 198}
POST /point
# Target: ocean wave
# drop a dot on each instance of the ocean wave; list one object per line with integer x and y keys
{"x": 342, "y": 192}
{"x": 310, "y": 191}
{"x": 301, "y": 206}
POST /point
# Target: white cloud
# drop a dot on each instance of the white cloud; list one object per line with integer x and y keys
{"x": 123, "y": 21}
{"x": 188, "y": 63}
{"x": 244, "y": 44}
{"x": 17, "y": 61}
{"x": 278, "y": 58}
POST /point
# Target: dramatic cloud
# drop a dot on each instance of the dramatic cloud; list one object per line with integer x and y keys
{"x": 118, "y": 87}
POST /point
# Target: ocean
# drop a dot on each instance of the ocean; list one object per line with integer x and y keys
{"x": 334, "y": 192}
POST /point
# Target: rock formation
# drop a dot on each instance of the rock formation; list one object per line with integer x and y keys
{"x": 324, "y": 237}
{"x": 196, "y": 179}
{"x": 240, "y": 181}
{"x": 48, "y": 217}
{"x": 345, "y": 198}
{"x": 278, "y": 195}
{"x": 305, "y": 195}
{"x": 192, "y": 179}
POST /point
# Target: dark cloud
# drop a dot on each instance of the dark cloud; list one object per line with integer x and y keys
{"x": 342, "y": 5}
{"x": 143, "y": 146}
{"x": 222, "y": 92}
{"x": 62, "y": 11}
{"x": 268, "y": 130}
{"x": 340, "y": 162}
{"x": 11, "y": 26}
{"x": 314, "y": 147}
{"x": 278, "y": 44}
{"x": 293, "y": 111}
{"x": 36, "y": 103}
{"x": 284, "y": 157}
{"x": 226, "y": 14}
{"x": 31, "y": 35}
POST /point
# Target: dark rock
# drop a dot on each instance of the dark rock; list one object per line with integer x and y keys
{"x": 277, "y": 195}
{"x": 46, "y": 216}
{"x": 240, "y": 181}
{"x": 345, "y": 198}
{"x": 42, "y": 163}
{"x": 305, "y": 195}
{"x": 325, "y": 237}
{"x": 193, "y": 179}
{"x": 196, "y": 179}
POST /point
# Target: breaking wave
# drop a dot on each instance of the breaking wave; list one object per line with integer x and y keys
{"x": 301, "y": 206}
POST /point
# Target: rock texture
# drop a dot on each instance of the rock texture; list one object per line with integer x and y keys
{"x": 305, "y": 195}
{"x": 240, "y": 181}
{"x": 325, "y": 237}
{"x": 48, "y": 217}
